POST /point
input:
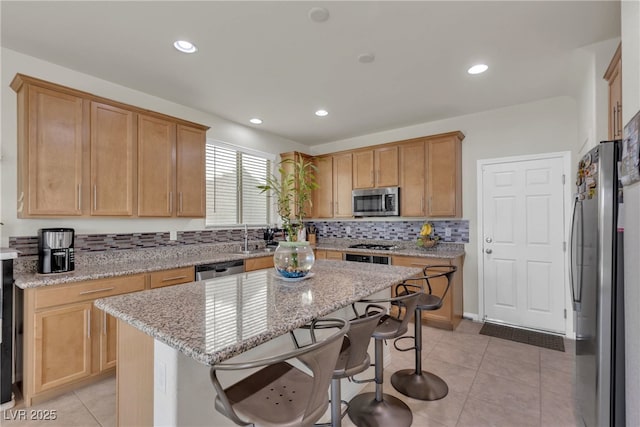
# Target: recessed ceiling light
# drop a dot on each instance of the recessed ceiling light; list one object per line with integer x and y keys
{"x": 185, "y": 46}
{"x": 318, "y": 14}
{"x": 321, "y": 113}
{"x": 478, "y": 68}
{"x": 366, "y": 58}
{"x": 256, "y": 121}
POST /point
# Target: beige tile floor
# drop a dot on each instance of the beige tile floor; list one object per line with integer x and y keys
{"x": 492, "y": 382}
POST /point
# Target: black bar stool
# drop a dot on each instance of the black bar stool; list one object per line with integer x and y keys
{"x": 377, "y": 408}
{"x": 417, "y": 383}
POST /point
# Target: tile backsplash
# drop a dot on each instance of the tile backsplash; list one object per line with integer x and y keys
{"x": 392, "y": 230}
{"x": 373, "y": 230}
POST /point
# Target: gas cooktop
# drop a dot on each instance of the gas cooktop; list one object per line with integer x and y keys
{"x": 373, "y": 246}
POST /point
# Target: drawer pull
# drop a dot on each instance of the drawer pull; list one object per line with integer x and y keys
{"x": 95, "y": 291}
{"x": 168, "y": 279}
{"x": 88, "y": 324}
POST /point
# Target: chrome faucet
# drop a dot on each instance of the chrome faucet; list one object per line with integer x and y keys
{"x": 246, "y": 239}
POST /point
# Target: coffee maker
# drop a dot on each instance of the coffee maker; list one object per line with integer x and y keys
{"x": 55, "y": 250}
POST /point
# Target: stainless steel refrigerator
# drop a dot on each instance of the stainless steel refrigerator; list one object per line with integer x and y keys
{"x": 597, "y": 288}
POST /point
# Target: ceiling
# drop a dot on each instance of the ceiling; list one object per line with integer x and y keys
{"x": 269, "y": 60}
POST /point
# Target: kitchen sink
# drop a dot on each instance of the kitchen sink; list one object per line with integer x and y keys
{"x": 257, "y": 251}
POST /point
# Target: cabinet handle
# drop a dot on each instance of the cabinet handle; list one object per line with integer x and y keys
{"x": 422, "y": 204}
{"x": 180, "y": 194}
{"x": 104, "y": 323}
{"x": 419, "y": 264}
{"x": 619, "y": 118}
{"x": 95, "y": 197}
{"x": 89, "y": 324}
{"x": 168, "y": 279}
{"x": 615, "y": 120}
{"x": 170, "y": 201}
{"x": 95, "y": 291}
{"x": 79, "y": 197}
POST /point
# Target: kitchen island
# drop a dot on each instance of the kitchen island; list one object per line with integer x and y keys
{"x": 168, "y": 337}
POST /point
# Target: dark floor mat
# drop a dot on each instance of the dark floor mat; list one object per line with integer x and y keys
{"x": 540, "y": 339}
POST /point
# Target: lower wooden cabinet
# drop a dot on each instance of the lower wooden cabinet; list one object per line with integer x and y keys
{"x": 252, "y": 264}
{"x": 62, "y": 346}
{"x": 450, "y": 314}
{"x": 69, "y": 342}
{"x": 327, "y": 254}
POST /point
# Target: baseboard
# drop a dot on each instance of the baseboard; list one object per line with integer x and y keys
{"x": 471, "y": 316}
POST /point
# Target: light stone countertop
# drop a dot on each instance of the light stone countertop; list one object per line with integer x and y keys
{"x": 213, "y": 320}
{"x": 100, "y": 265}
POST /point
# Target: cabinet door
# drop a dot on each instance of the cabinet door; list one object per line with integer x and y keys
{"x": 253, "y": 264}
{"x": 444, "y": 177}
{"x": 386, "y": 166}
{"x": 342, "y": 185}
{"x": 113, "y": 160}
{"x": 52, "y": 174}
{"x": 412, "y": 186}
{"x": 363, "y": 169}
{"x": 323, "y": 195}
{"x": 190, "y": 170}
{"x": 156, "y": 154}
{"x": 62, "y": 345}
{"x": 107, "y": 337}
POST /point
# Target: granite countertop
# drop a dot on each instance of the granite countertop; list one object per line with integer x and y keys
{"x": 444, "y": 250}
{"x": 100, "y": 265}
{"x": 216, "y": 319}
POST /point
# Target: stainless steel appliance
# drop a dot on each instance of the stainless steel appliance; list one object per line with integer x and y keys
{"x": 376, "y": 202}
{"x": 375, "y": 259}
{"x": 55, "y": 250}
{"x": 596, "y": 274}
{"x": 219, "y": 269}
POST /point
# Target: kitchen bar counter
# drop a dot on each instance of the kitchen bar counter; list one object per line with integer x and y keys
{"x": 216, "y": 319}
{"x": 100, "y": 265}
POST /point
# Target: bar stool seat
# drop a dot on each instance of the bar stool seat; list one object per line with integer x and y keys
{"x": 279, "y": 394}
{"x": 377, "y": 408}
{"x": 415, "y": 382}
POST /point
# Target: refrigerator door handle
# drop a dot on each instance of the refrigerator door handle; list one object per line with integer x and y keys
{"x": 572, "y": 246}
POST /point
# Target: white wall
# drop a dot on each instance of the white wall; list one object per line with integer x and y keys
{"x": 221, "y": 129}
{"x": 630, "y": 13}
{"x": 538, "y": 127}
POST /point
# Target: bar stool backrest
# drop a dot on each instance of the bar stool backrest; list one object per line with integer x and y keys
{"x": 359, "y": 335}
{"x": 434, "y": 271}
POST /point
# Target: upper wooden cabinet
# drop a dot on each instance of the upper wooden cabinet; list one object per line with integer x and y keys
{"x": 332, "y": 198}
{"x": 190, "y": 171}
{"x": 376, "y": 167}
{"x": 51, "y": 152}
{"x": 83, "y": 155}
{"x": 614, "y": 77}
{"x": 156, "y": 154}
{"x": 113, "y": 160}
{"x": 412, "y": 178}
{"x": 444, "y": 176}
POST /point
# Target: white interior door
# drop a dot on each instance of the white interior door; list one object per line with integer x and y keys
{"x": 523, "y": 235}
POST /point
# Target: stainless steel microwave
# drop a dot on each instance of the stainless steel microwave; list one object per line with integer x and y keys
{"x": 376, "y": 202}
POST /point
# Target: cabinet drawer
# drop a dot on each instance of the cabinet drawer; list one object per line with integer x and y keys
{"x": 171, "y": 277}
{"x": 420, "y": 262}
{"x": 334, "y": 255}
{"x": 85, "y": 291}
{"x": 258, "y": 263}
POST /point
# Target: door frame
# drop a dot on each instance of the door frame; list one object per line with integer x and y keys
{"x": 567, "y": 206}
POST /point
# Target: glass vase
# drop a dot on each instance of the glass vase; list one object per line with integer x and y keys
{"x": 293, "y": 259}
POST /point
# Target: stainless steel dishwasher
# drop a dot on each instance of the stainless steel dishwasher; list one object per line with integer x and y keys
{"x": 218, "y": 269}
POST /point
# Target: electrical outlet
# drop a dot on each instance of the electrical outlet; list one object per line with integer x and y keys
{"x": 173, "y": 235}
{"x": 161, "y": 377}
{"x": 447, "y": 232}
{"x": 348, "y": 229}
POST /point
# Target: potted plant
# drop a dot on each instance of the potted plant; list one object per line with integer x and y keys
{"x": 292, "y": 190}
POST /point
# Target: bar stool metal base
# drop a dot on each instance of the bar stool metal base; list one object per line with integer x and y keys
{"x": 365, "y": 410}
{"x": 423, "y": 386}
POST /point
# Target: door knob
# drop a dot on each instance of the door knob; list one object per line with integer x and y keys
{"x": 488, "y": 251}
{"x": 488, "y": 240}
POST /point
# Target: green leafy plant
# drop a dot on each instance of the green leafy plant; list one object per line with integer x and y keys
{"x": 292, "y": 190}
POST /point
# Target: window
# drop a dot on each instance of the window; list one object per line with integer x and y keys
{"x": 232, "y": 179}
